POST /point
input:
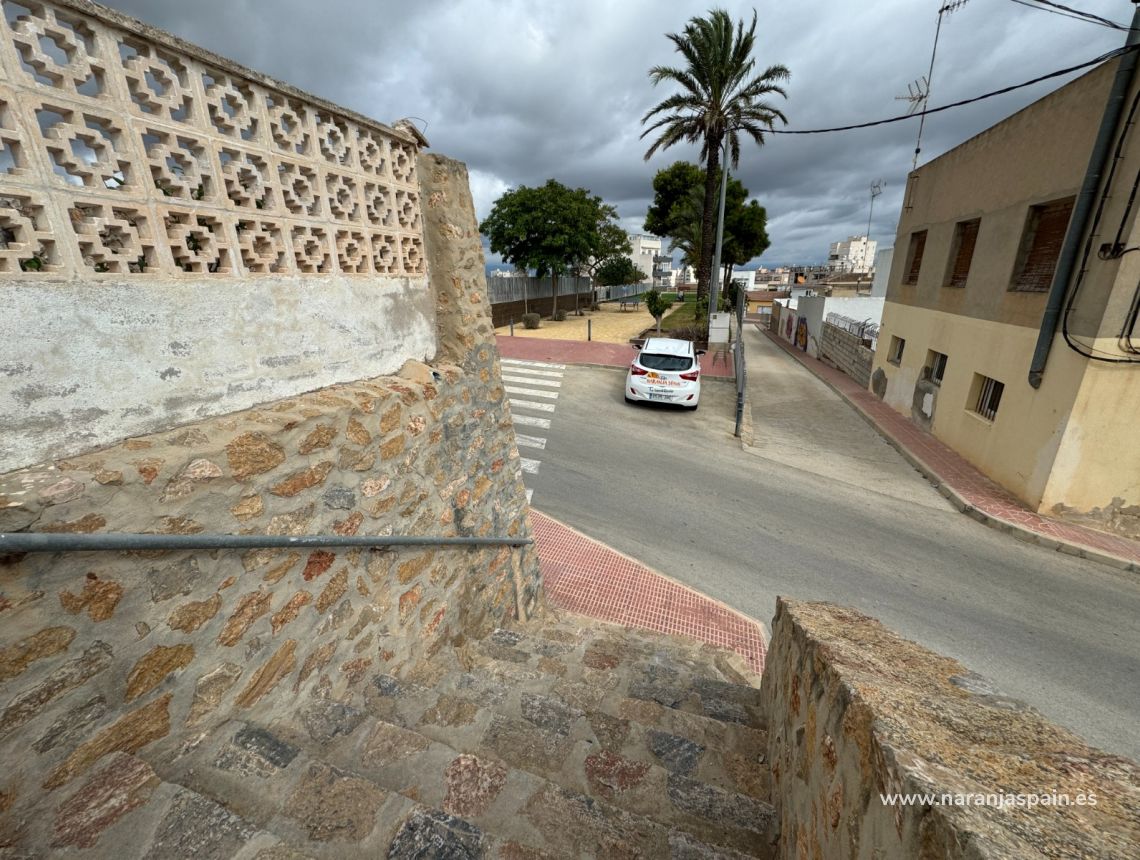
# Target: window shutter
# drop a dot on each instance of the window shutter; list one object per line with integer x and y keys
{"x": 917, "y": 246}
{"x": 967, "y": 238}
{"x": 1048, "y": 235}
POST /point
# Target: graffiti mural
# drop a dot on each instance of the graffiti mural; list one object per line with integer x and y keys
{"x": 801, "y": 333}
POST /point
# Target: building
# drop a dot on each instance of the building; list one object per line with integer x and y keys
{"x": 978, "y": 243}
{"x": 856, "y": 255}
{"x": 647, "y": 254}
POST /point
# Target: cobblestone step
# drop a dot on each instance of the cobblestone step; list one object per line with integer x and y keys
{"x": 557, "y": 739}
{"x": 637, "y": 669}
{"x": 124, "y": 809}
{"x": 523, "y": 784}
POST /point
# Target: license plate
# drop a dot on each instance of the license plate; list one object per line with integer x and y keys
{"x": 660, "y": 396}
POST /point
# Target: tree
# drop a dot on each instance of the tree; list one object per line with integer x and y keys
{"x": 719, "y": 98}
{"x": 613, "y": 243}
{"x": 745, "y": 234}
{"x": 677, "y": 212}
{"x": 657, "y": 304}
{"x": 614, "y": 271}
{"x": 551, "y": 229}
{"x": 672, "y": 188}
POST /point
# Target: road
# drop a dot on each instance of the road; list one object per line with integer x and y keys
{"x": 822, "y": 509}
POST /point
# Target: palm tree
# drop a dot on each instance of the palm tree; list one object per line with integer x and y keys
{"x": 719, "y": 98}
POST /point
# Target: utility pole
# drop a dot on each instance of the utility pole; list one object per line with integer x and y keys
{"x": 714, "y": 291}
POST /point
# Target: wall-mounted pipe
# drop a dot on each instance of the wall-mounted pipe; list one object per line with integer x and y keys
{"x": 23, "y": 542}
{"x": 1082, "y": 209}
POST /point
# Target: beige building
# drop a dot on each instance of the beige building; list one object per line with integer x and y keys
{"x": 978, "y": 243}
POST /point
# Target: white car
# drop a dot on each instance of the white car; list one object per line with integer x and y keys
{"x": 665, "y": 371}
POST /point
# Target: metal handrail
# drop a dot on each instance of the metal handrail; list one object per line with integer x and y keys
{"x": 25, "y": 542}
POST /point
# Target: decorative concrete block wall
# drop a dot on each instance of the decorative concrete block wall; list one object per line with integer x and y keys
{"x": 182, "y": 237}
{"x": 856, "y": 712}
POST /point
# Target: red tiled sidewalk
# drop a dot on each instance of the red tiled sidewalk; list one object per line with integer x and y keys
{"x": 970, "y": 490}
{"x": 583, "y": 576}
{"x": 591, "y": 352}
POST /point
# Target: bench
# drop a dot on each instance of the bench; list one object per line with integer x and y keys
{"x": 631, "y": 301}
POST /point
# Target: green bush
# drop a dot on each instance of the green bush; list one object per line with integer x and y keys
{"x": 559, "y": 315}
{"x": 531, "y": 320}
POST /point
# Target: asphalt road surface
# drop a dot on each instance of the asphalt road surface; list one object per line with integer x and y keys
{"x": 822, "y": 509}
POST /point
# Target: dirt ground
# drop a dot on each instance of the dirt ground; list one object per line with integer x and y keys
{"x": 609, "y": 324}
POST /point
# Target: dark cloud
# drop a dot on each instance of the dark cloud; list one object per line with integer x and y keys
{"x": 525, "y": 91}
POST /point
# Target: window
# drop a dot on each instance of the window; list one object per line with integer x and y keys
{"x": 962, "y": 252}
{"x": 936, "y": 361}
{"x": 914, "y": 257}
{"x": 986, "y": 396}
{"x": 1041, "y": 245}
{"x": 895, "y": 353}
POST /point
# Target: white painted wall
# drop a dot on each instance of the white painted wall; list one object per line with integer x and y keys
{"x": 816, "y": 309}
{"x": 882, "y": 272}
{"x": 84, "y": 365}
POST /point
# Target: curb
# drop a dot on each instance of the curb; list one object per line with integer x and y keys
{"x": 1017, "y": 530}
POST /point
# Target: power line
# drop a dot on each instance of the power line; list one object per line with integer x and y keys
{"x": 1032, "y": 5}
{"x": 1102, "y": 58}
{"x": 1069, "y": 12}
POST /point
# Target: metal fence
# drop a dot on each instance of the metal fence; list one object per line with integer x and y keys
{"x": 501, "y": 290}
{"x": 622, "y": 291}
{"x": 865, "y": 329}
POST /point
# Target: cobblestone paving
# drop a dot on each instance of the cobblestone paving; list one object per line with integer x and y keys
{"x": 562, "y": 738}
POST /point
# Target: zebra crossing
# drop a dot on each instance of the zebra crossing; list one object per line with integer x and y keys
{"x": 532, "y": 388}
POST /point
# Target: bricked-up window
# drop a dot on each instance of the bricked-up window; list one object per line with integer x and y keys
{"x": 914, "y": 257}
{"x": 986, "y": 396}
{"x": 1041, "y": 245}
{"x": 962, "y": 252}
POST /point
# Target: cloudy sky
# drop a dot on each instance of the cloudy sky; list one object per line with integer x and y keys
{"x": 526, "y": 90}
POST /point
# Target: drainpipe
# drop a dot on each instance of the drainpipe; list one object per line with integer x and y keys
{"x": 20, "y": 542}
{"x": 1125, "y": 75}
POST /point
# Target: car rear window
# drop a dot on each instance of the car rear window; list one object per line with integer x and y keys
{"x": 656, "y": 361}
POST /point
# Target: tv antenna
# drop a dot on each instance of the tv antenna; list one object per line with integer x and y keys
{"x": 946, "y": 9}
{"x": 915, "y": 94}
{"x": 876, "y": 190}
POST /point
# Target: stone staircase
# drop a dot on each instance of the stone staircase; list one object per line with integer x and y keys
{"x": 556, "y": 739}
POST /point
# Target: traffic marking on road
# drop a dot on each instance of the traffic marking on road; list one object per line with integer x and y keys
{"x": 530, "y": 420}
{"x": 530, "y": 404}
{"x": 519, "y": 362}
{"x": 534, "y": 379}
{"x": 533, "y": 371}
{"x": 527, "y": 380}
{"x": 530, "y": 441}
{"x": 532, "y": 392}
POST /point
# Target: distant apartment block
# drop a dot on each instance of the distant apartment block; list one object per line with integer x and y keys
{"x": 856, "y": 255}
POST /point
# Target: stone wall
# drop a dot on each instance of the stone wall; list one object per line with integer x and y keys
{"x": 844, "y": 350}
{"x": 111, "y": 652}
{"x": 855, "y": 712}
{"x": 183, "y": 237}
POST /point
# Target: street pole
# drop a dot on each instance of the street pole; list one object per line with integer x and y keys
{"x": 714, "y": 291}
